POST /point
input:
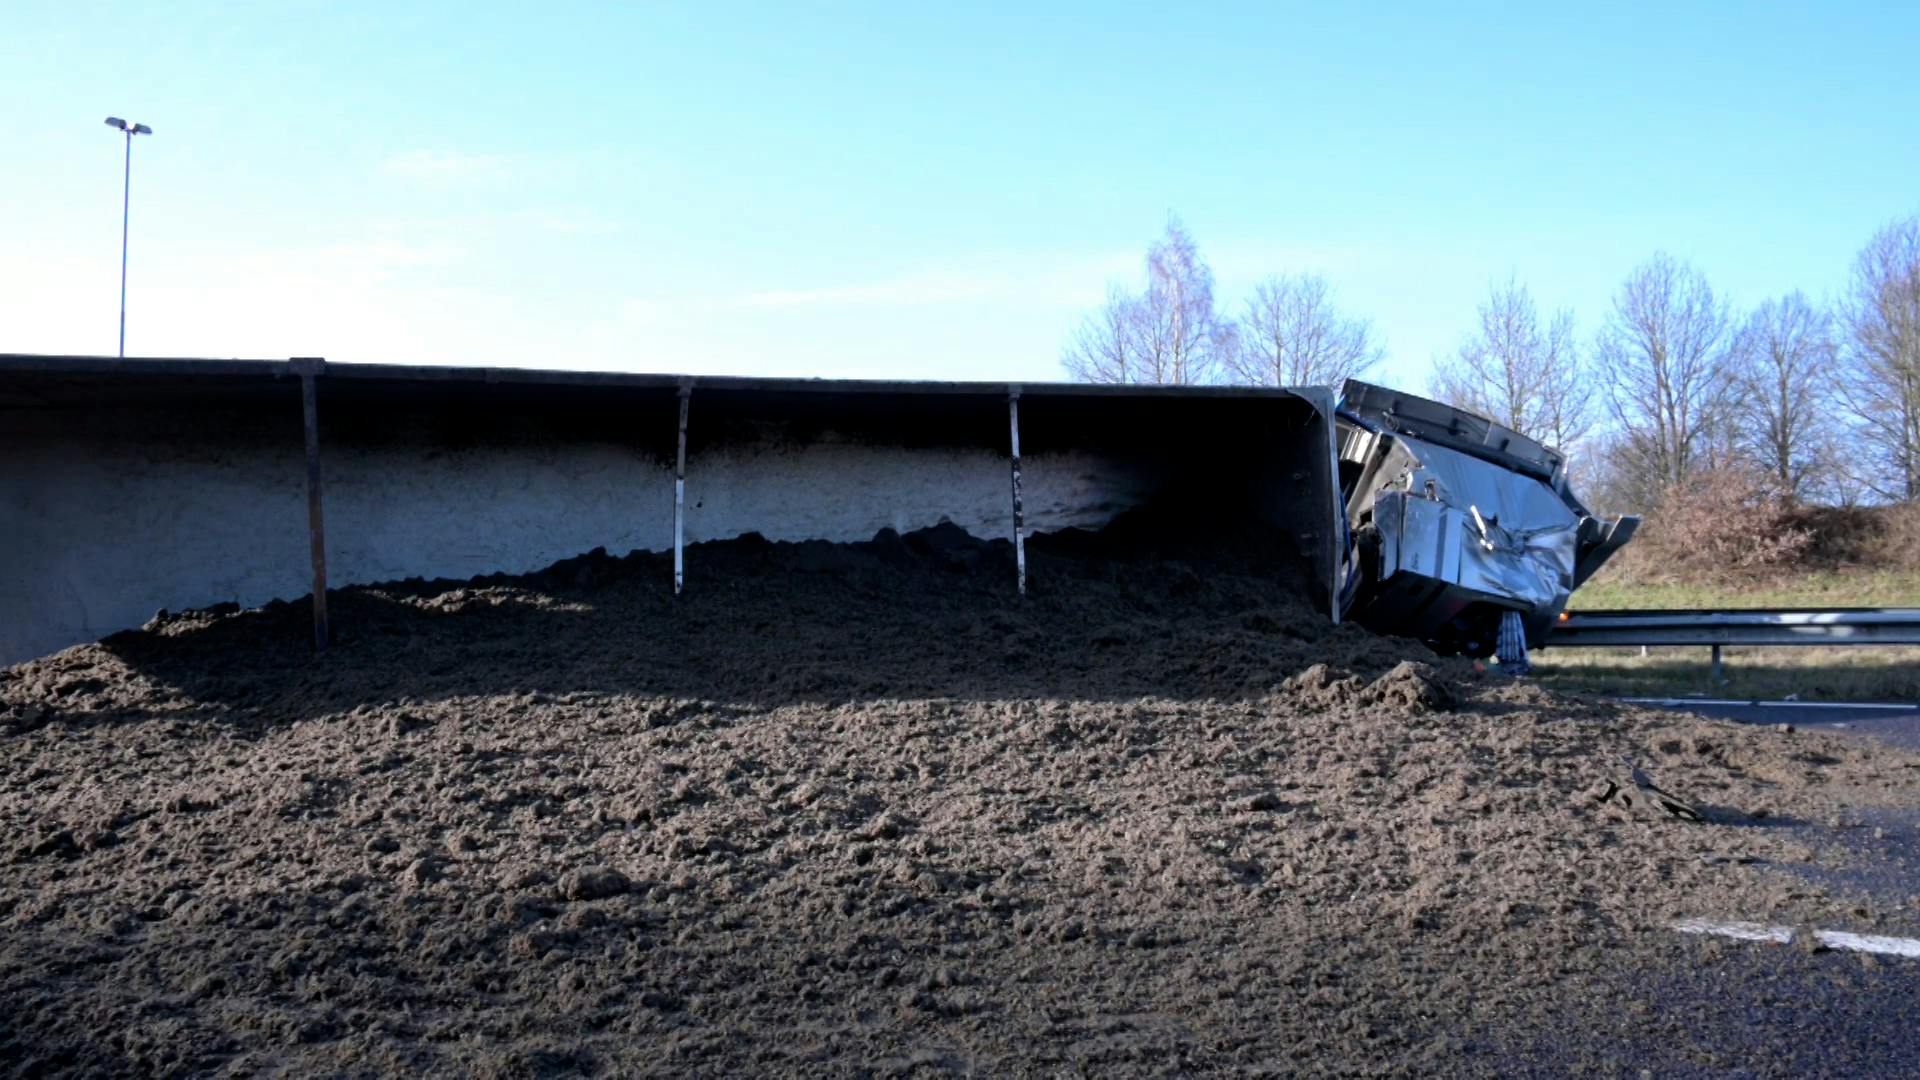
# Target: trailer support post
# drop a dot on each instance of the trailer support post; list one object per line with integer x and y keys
{"x": 309, "y": 369}
{"x": 680, "y": 492}
{"x": 1019, "y": 509}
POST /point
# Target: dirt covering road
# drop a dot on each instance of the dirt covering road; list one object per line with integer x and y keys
{"x": 858, "y": 810}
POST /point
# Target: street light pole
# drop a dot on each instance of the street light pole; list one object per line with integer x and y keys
{"x": 126, "y": 203}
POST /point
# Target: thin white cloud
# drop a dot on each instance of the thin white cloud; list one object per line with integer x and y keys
{"x": 901, "y": 292}
{"x": 570, "y": 223}
{"x": 386, "y": 256}
{"x": 442, "y": 166}
{"x": 1029, "y": 281}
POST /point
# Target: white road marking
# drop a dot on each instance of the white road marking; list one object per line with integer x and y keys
{"x": 1873, "y": 943}
{"x": 1744, "y": 931}
{"x": 1784, "y": 935}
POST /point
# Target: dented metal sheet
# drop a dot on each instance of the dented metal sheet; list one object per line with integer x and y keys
{"x": 1457, "y": 521}
{"x": 1503, "y": 533}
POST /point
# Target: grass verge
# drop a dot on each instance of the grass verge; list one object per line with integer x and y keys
{"x": 1813, "y": 673}
{"x": 1821, "y": 588}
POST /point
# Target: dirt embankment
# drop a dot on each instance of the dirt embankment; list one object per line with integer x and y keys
{"x": 852, "y": 809}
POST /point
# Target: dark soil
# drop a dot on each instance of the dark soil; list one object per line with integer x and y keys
{"x": 858, "y": 809}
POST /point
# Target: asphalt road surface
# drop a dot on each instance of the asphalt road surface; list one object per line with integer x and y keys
{"x": 1897, "y": 724}
{"x": 1757, "y": 1009}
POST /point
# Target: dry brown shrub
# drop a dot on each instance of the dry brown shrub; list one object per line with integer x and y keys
{"x": 1842, "y": 536}
{"x": 1896, "y": 544}
{"x": 1875, "y": 537}
{"x": 1721, "y": 522}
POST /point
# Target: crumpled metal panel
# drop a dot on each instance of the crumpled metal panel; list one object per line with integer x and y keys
{"x": 1462, "y": 521}
{"x": 1472, "y": 523}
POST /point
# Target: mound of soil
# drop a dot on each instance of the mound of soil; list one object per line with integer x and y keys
{"x": 854, "y": 808}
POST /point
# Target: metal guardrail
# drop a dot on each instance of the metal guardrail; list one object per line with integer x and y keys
{"x": 1753, "y": 626}
{"x": 1757, "y": 626}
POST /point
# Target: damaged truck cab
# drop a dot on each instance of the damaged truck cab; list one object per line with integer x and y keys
{"x": 1454, "y": 520}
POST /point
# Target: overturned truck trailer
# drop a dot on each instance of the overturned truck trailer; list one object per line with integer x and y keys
{"x": 129, "y": 486}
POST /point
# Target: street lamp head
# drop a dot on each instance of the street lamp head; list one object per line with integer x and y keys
{"x": 116, "y": 122}
{"x": 142, "y": 129}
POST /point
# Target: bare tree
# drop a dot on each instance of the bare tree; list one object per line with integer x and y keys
{"x": 1880, "y": 385}
{"x": 1514, "y": 372}
{"x": 1293, "y": 336}
{"x": 1169, "y": 334}
{"x": 1103, "y": 349}
{"x": 1785, "y": 354}
{"x": 1179, "y": 328}
{"x": 1661, "y": 355}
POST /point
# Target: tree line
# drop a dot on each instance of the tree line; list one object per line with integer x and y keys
{"x": 1803, "y": 400}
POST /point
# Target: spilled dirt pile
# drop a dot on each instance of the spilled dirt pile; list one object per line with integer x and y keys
{"x": 850, "y": 808}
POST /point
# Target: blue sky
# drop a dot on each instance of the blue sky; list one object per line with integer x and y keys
{"x": 907, "y": 191}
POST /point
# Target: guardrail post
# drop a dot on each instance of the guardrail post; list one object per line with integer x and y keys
{"x": 1719, "y": 676}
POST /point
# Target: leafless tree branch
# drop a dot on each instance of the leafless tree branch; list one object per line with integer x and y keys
{"x": 1292, "y": 335}
{"x": 1661, "y": 356}
{"x": 1516, "y": 373}
{"x": 1168, "y": 334}
{"x": 1880, "y": 381}
{"x": 1784, "y": 356}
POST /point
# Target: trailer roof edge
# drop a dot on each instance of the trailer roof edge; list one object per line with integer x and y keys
{"x": 241, "y": 369}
